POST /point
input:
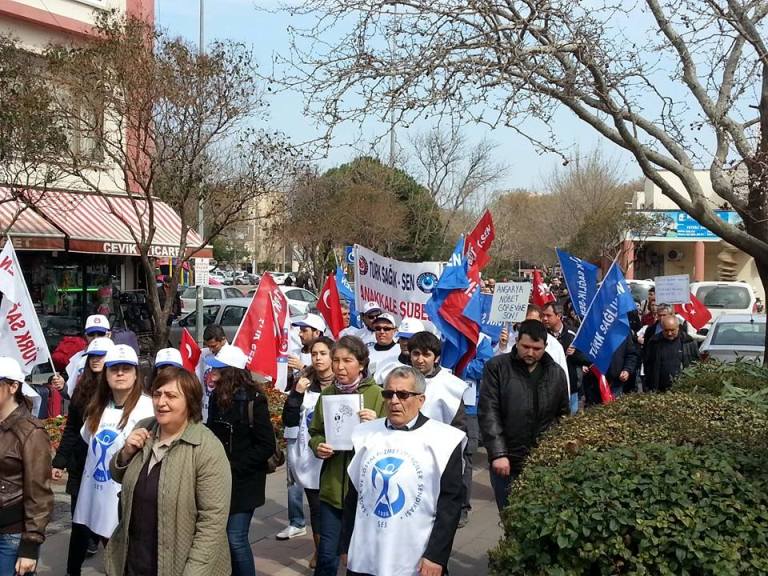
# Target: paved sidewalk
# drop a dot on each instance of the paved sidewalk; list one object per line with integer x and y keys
{"x": 291, "y": 557}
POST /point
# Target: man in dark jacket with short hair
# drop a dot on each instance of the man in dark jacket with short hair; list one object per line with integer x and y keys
{"x": 667, "y": 354}
{"x": 522, "y": 394}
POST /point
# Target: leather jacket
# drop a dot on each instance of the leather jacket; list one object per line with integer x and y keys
{"x": 26, "y": 498}
{"x": 513, "y": 412}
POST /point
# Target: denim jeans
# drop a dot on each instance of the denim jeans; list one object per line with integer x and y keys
{"x": 330, "y": 537}
{"x": 473, "y": 436}
{"x": 296, "y": 506}
{"x": 9, "y": 548}
{"x": 501, "y": 487}
{"x": 238, "y": 526}
{"x": 574, "y": 403}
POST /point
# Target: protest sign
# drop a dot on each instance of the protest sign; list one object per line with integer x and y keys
{"x": 510, "y": 302}
{"x": 673, "y": 289}
{"x": 400, "y": 288}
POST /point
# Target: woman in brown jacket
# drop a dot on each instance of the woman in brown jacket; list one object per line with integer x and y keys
{"x": 26, "y": 499}
{"x": 176, "y": 486}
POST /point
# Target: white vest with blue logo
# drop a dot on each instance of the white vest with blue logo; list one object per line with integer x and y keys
{"x": 97, "y": 499}
{"x": 397, "y": 476}
{"x": 305, "y": 466}
{"x": 443, "y": 396}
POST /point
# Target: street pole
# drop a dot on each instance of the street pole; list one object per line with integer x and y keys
{"x": 392, "y": 137}
{"x": 200, "y": 218}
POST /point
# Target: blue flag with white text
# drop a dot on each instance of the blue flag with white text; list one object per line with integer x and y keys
{"x": 345, "y": 291}
{"x": 580, "y": 279}
{"x": 606, "y": 324}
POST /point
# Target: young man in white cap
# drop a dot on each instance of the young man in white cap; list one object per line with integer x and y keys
{"x": 310, "y": 327}
{"x": 96, "y": 326}
{"x": 384, "y": 353}
{"x": 408, "y": 327}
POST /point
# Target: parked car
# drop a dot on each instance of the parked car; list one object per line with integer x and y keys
{"x": 280, "y": 277}
{"x": 302, "y": 299}
{"x": 228, "y": 313}
{"x": 247, "y": 279}
{"x": 298, "y": 298}
{"x": 210, "y": 293}
{"x": 735, "y": 336}
{"x": 725, "y": 297}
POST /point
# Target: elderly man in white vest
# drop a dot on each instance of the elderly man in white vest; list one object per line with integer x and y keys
{"x": 405, "y": 487}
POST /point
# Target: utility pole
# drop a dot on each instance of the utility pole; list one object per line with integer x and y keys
{"x": 392, "y": 136}
{"x": 199, "y": 324}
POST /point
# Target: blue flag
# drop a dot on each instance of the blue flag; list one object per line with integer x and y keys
{"x": 479, "y": 310}
{"x": 605, "y": 324}
{"x": 454, "y": 277}
{"x": 580, "y": 279}
{"x": 345, "y": 291}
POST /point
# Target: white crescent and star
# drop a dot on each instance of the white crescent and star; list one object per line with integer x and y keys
{"x": 325, "y": 298}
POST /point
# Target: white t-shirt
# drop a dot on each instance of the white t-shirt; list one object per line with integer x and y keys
{"x": 97, "y": 500}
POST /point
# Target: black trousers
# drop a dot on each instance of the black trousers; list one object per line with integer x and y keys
{"x": 79, "y": 538}
{"x": 313, "y": 499}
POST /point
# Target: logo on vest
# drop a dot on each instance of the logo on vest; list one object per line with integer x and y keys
{"x": 385, "y": 469}
{"x": 101, "y": 443}
{"x": 310, "y": 414}
{"x": 391, "y": 485}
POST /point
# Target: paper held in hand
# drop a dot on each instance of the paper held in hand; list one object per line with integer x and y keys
{"x": 340, "y": 418}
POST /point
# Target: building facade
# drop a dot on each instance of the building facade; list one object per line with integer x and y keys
{"x": 678, "y": 244}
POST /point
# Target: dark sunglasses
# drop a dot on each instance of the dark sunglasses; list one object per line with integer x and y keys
{"x": 372, "y": 316}
{"x": 383, "y": 329}
{"x": 401, "y": 394}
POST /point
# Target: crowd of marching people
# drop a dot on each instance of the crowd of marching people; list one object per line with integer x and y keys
{"x": 166, "y": 471}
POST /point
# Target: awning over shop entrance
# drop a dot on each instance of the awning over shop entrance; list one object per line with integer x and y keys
{"x": 92, "y": 224}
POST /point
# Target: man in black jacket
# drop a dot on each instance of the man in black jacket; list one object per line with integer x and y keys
{"x": 667, "y": 354}
{"x": 522, "y": 394}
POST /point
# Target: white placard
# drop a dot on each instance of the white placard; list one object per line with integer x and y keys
{"x": 340, "y": 418}
{"x": 400, "y": 288}
{"x": 510, "y": 302}
{"x": 673, "y": 289}
{"x": 201, "y": 271}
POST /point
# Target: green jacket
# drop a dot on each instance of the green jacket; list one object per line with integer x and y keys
{"x": 334, "y": 481}
{"x": 193, "y": 505}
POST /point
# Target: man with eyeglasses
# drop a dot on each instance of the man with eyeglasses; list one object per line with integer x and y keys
{"x": 371, "y": 311}
{"x": 390, "y": 504}
{"x": 385, "y": 351}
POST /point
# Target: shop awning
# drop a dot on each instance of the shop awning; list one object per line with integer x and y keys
{"x": 92, "y": 224}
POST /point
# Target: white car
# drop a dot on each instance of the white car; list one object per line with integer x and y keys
{"x": 210, "y": 293}
{"x": 281, "y": 277}
{"x": 725, "y": 297}
{"x": 734, "y": 336}
{"x": 300, "y": 298}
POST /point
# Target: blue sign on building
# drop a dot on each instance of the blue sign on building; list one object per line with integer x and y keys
{"x": 677, "y": 225}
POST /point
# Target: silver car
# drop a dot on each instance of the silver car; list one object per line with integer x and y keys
{"x": 210, "y": 293}
{"x": 733, "y": 336}
{"x": 227, "y": 313}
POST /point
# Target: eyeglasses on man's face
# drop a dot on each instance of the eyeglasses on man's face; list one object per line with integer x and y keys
{"x": 383, "y": 328}
{"x": 401, "y": 394}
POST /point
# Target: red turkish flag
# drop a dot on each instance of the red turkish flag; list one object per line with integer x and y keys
{"x": 479, "y": 241}
{"x": 605, "y": 390}
{"x": 540, "y": 293}
{"x": 329, "y": 305}
{"x": 263, "y": 333}
{"x": 190, "y": 351}
{"x": 695, "y": 313}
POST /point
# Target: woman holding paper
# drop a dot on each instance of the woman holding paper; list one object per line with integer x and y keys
{"x": 349, "y": 359}
{"x": 238, "y": 415}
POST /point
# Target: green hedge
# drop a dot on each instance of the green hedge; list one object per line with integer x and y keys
{"x": 648, "y": 485}
{"x": 650, "y": 510}
{"x": 712, "y": 376}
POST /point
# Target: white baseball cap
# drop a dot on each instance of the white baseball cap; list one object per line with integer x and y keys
{"x": 386, "y": 317}
{"x": 10, "y": 369}
{"x": 168, "y": 357}
{"x": 228, "y": 357}
{"x": 96, "y": 323}
{"x": 121, "y": 354}
{"x": 371, "y": 307}
{"x": 409, "y": 327}
{"x": 99, "y": 347}
{"x": 313, "y": 321}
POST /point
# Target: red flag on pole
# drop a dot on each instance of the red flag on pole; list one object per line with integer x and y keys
{"x": 540, "y": 293}
{"x": 329, "y": 305}
{"x": 190, "y": 351}
{"x": 695, "y": 313}
{"x": 479, "y": 241}
{"x": 263, "y": 333}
